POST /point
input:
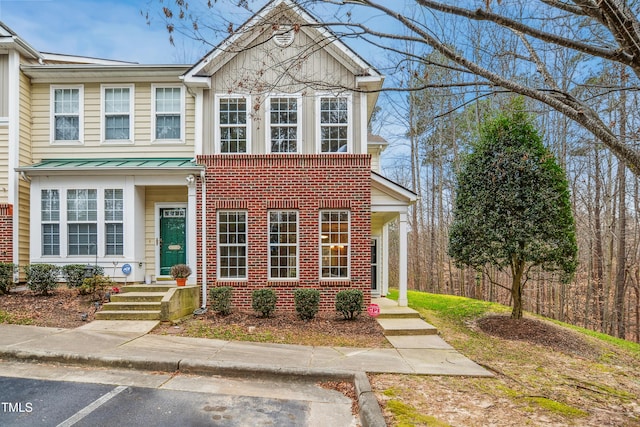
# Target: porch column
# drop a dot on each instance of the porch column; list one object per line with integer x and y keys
{"x": 385, "y": 256}
{"x": 403, "y": 261}
{"x": 191, "y": 230}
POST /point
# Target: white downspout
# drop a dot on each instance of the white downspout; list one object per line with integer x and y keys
{"x": 203, "y": 230}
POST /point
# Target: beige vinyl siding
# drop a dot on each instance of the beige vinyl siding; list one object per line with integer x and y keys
{"x": 246, "y": 73}
{"x": 155, "y": 195}
{"x": 92, "y": 145}
{"x": 4, "y": 85}
{"x": 24, "y": 158}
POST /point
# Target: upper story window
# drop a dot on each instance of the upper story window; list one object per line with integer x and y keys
{"x": 168, "y": 108}
{"x": 334, "y": 114}
{"x": 118, "y": 115}
{"x": 232, "y": 124}
{"x": 66, "y": 107}
{"x": 283, "y": 117}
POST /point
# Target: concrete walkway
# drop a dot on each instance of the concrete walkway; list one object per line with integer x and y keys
{"x": 128, "y": 344}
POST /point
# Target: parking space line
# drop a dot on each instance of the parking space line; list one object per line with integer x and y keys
{"x": 92, "y": 407}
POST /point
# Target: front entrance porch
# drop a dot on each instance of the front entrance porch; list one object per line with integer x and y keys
{"x": 138, "y": 213}
{"x": 389, "y": 202}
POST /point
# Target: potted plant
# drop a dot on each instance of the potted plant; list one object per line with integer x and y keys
{"x": 180, "y": 272}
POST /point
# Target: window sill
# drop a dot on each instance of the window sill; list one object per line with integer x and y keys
{"x": 168, "y": 142}
{"x": 117, "y": 142}
{"x": 65, "y": 142}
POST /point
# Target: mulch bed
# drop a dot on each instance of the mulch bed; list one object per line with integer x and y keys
{"x": 537, "y": 332}
{"x": 63, "y": 308}
{"x": 286, "y": 327}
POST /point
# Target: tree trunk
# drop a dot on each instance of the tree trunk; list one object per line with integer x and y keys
{"x": 621, "y": 258}
{"x": 598, "y": 253}
{"x": 517, "y": 271}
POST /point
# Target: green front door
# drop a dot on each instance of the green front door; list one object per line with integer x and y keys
{"x": 173, "y": 238}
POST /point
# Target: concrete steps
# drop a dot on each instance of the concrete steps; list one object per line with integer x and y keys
{"x": 151, "y": 302}
{"x": 404, "y": 326}
{"x": 132, "y": 306}
{"x": 129, "y": 315}
{"x": 401, "y": 321}
{"x": 135, "y": 302}
{"x": 138, "y": 297}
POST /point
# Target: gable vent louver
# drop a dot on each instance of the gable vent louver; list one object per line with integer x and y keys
{"x": 283, "y": 36}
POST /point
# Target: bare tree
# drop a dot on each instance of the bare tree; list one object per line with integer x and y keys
{"x": 607, "y": 31}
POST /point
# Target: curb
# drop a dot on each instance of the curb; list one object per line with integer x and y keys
{"x": 370, "y": 413}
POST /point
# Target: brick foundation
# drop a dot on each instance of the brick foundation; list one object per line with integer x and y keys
{"x": 305, "y": 183}
{"x": 6, "y": 232}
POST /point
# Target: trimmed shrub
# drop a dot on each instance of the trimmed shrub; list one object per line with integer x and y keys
{"x": 221, "y": 299}
{"x": 42, "y": 278}
{"x": 264, "y": 301}
{"x": 96, "y": 286}
{"x": 74, "y": 274}
{"x": 307, "y": 303}
{"x": 349, "y": 303}
{"x": 6, "y": 277}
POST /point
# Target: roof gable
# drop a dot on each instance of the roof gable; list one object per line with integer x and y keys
{"x": 269, "y": 18}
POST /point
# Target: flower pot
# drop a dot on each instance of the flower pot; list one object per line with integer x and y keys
{"x": 181, "y": 281}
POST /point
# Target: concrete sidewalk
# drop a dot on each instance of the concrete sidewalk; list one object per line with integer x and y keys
{"x": 112, "y": 343}
{"x": 128, "y": 344}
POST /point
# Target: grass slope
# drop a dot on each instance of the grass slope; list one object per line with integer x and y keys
{"x": 534, "y": 384}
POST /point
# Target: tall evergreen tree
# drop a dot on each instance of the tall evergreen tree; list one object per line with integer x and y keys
{"x": 512, "y": 208}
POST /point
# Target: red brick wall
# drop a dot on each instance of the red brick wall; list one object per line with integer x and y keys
{"x": 6, "y": 232}
{"x": 306, "y": 183}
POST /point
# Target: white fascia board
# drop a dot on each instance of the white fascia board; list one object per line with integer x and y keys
{"x": 202, "y": 82}
{"x": 391, "y": 188}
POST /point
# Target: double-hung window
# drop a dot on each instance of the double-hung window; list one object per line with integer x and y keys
{"x": 113, "y": 219}
{"x": 66, "y": 105}
{"x": 50, "y": 220}
{"x": 82, "y": 221}
{"x": 168, "y": 113}
{"x": 284, "y": 116}
{"x": 232, "y": 124}
{"x": 118, "y": 116}
{"x": 283, "y": 245}
{"x": 232, "y": 244}
{"x": 334, "y": 244}
{"x": 335, "y": 123}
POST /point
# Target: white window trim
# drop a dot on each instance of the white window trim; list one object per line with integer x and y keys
{"x": 318, "y": 124}
{"x": 297, "y": 276}
{"x": 320, "y": 246}
{"x": 132, "y": 127}
{"x": 218, "y": 275}
{"x": 154, "y": 115}
{"x": 52, "y": 118}
{"x": 63, "y": 223}
{"x": 298, "y": 98}
{"x": 217, "y": 135}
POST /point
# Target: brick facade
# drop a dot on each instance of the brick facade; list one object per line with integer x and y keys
{"x": 307, "y": 184}
{"x": 6, "y": 232}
